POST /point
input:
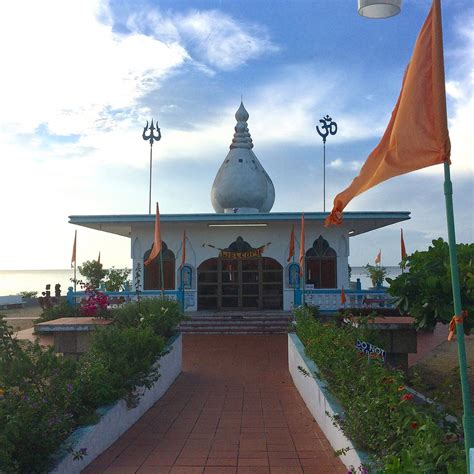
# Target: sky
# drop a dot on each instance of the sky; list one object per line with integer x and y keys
{"x": 80, "y": 79}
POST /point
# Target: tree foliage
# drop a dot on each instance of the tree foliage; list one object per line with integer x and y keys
{"x": 425, "y": 291}
{"x": 113, "y": 279}
{"x": 116, "y": 278}
{"x": 93, "y": 271}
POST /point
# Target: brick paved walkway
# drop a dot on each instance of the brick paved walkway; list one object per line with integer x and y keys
{"x": 234, "y": 409}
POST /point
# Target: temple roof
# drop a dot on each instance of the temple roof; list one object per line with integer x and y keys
{"x": 355, "y": 223}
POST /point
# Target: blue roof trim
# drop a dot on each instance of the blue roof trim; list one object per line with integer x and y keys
{"x": 263, "y": 217}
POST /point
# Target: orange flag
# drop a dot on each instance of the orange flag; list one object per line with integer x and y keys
{"x": 302, "y": 246}
{"x": 291, "y": 251}
{"x": 156, "y": 249}
{"x": 417, "y": 134}
{"x": 183, "y": 254}
{"x": 378, "y": 258}
{"x": 402, "y": 245}
{"x": 73, "y": 258}
{"x": 343, "y": 296}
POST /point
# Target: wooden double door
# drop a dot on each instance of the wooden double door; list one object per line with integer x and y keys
{"x": 234, "y": 284}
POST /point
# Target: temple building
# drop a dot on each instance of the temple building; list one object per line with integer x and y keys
{"x": 237, "y": 258}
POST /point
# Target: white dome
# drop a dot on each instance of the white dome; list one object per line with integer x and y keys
{"x": 242, "y": 184}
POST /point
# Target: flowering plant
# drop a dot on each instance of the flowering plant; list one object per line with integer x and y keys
{"x": 379, "y": 416}
{"x": 95, "y": 302}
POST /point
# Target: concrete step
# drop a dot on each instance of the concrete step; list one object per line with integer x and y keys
{"x": 237, "y": 323}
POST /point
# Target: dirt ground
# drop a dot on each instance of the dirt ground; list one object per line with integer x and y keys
{"x": 437, "y": 375}
{"x": 21, "y": 318}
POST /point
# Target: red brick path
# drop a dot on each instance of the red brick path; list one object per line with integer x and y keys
{"x": 234, "y": 409}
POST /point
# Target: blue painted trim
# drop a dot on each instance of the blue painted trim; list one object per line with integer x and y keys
{"x": 216, "y": 218}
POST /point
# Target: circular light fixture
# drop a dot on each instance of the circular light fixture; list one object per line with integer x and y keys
{"x": 379, "y": 8}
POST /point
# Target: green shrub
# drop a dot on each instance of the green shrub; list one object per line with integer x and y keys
{"x": 379, "y": 416}
{"x": 376, "y": 274}
{"x": 161, "y": 315}
{"x": 122, "y": 359}
{"x": 28, "y": 294}
{"x": 425, "y": 291}
{"x": 44, "y": 397}
{"x": 62, "y": 310}
{"x": 35, "y": 405}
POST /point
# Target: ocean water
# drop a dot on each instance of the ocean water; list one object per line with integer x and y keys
{"x": 14, "y": 281}
{"x": 359, "y": 272}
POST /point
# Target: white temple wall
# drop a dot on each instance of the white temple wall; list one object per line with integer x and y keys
{"x": 200, "y": 236}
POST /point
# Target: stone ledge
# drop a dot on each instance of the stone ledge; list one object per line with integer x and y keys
{"x": 117, "y": 418}
{"x": 320, "y": 401}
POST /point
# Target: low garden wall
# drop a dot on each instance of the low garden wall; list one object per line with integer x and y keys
{"x": 116, "y": 419}
{"x": 319, "y": 401}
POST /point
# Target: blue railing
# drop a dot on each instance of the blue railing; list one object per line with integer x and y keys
{"x": 326, "y": 299}
{"x": 119, "y": 297}
{"x": 330, "y": 300}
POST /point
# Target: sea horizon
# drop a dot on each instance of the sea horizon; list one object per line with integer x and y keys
{"x": 12, "y": 282}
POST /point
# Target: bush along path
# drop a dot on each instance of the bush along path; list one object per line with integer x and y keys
{"x": 380, "y": 416}
{"x": 44, "y": 397}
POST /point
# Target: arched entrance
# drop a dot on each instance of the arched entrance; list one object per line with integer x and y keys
{"x": 240, "y": 284}
{"x": 152, "y": 272}
{"x": 321, "y": 265}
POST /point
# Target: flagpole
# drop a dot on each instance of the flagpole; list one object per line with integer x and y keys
{"x": 162, "y": 274}
{"x": 74, "y": 276}
{"x": 468, "y": 421}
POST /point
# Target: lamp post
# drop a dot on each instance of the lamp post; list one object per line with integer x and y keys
{"x": 379, "y": 8}
{"x": 151, "y": 137}
{"x": 329, "y": 127}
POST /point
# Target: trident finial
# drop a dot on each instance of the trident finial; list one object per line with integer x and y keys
{"x": 151, "y": 136}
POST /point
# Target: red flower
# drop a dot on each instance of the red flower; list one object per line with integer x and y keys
{"x": 406, "y": 397}
{"x": 414, "y": 425}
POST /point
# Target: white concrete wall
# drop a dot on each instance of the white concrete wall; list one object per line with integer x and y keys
{"x": 278, "y": 233}
{"x": 316, "y": 399}
{"x": 118, "y": 419}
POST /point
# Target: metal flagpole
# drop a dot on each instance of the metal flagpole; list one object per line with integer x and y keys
{"x": 151, "y": 137}
{"x": 162, "y": 274}
{"x": 468, "y": 421}
{"x": 329, "y": 127}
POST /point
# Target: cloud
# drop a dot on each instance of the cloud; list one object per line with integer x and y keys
{"x": 352, "y": 165}
{"x": 209, "y": 36}
{"x": 63, "y": 65}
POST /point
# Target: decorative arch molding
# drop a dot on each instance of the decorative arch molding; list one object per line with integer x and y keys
{"x": 152, "y": 277}
{"x": 187, "y": 277}
{"x": 321, "y": 265}
{"x": 292, "y": 275}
